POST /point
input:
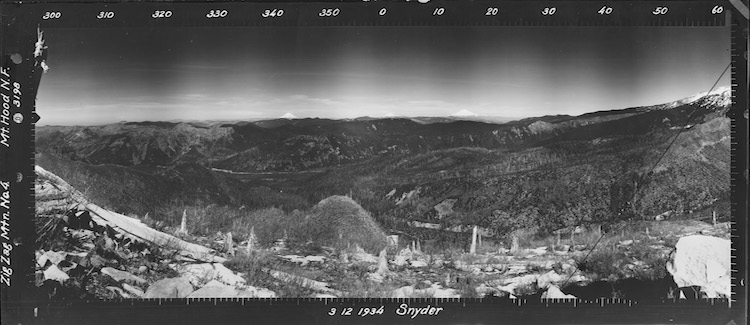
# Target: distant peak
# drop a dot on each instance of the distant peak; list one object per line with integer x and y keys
{"x": 390, "y": 115}
{"x": 719, "y": 97}
{"x": 288, "y": 116}
{"x": 464, "y": 113}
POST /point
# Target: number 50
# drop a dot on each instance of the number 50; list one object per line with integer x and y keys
{"x": 660, "y": 11}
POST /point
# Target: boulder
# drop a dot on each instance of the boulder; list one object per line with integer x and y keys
{"x": 95, "y": 261}
{"x": 135, "y": 291}
{"x": 360, "y": 255}
{"x": 199, "y": 274}
{"x": 376, "y": 277}
{"x": 484, "y": 290}
{"x": 324, "y": 296}
{"x": 169, "y": 288}
{"x": 403, "y": 292}
{"x": 119, "y": 292}
{"x": 215, "y": 289}
{"x": 303, "y": 260}
{"x": 520, "y": 285}
{"x": 548, "y": 279}
{"x": 434, "y": 291}
{"x": 438, "y": 292}
{"x": 400, "y": 260}
{"x": 626, "y": 242}
{"x": 702, "y": 261}
{"x": 553, "y": 292}
{"x": 54, "y": 273}
{"x": 418, "y": 263}
{"x": 253, "y": 292}
{"x": 120, "y": 276}
{"x": 49, "y": 256}
{"x": 438, "y": 262}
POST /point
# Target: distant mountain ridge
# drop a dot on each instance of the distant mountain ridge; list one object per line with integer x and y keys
{"x": 298, "y": 144}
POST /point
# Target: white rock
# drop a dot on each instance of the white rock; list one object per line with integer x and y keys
{"x": 361, "y": 256}
{"x": 169, "y": 288}
{"x": 549, "y": 278}
{"x": 119, "y": 291}
{"x": 133, "y": 290}
{"x": 527, "y": 282}
{"x": 702, "y": 261}
{"x": 483, "y": 290}
{"x": 303, "y": 260}
{"x": 214, "y": 289}
{"x": 375, "y": 277}
{"x": 577, "y": 278}
{"x": 563, "y": 248}
{"x": 199, "y": 274}
{"x": 325, "y": 296}
{"x": 254, "y": 292}
{"x": 553, "y": 292}
{"x": 400, "y": 260}
{"x": 49, "y": 256}
{"x": 54, "y": 273}
{"x": 438, "y": 292}
{"x": 418, "y": 264}
{"x": 510, "y": 288}
{"x": 435, "y": 291}
{"x": 119, "y": 275}
{"x": 523, "y": 280}
{"x": 403, "y": 292}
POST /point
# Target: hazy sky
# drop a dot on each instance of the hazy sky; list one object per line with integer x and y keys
{"x": 101, "y": 76}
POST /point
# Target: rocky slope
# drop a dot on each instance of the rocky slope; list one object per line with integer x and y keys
{"x": 88, "y": 252}
{"x": 85, "y": 251}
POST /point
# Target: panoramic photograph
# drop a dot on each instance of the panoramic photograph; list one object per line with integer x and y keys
{"x": 384, "y": 162}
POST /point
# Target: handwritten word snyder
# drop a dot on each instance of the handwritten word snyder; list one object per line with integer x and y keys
{"x": 402, "y": 310}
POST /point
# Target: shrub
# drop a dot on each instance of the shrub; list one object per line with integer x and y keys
{"x": 603, "y": 261}
{"x": 339, "y": 221}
